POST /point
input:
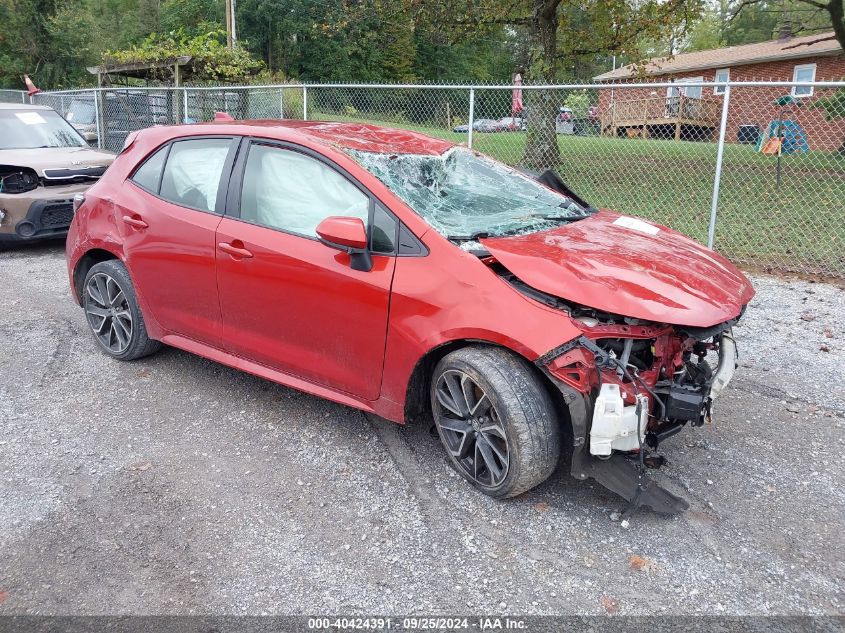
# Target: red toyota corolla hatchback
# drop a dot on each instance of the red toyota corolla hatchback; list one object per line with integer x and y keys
{"x": 405, "y": 276}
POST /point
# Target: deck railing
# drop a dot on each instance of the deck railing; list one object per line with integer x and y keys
{"x": 680, "y": 109}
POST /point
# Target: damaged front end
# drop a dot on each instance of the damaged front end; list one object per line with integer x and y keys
{"x": 629, "y": 385}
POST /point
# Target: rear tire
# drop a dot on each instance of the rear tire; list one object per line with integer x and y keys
{"x": 113, "y": 314}
{"x": 495, "y": 419}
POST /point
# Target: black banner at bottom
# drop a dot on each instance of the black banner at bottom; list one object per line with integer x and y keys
{"x": 474, "y": 623}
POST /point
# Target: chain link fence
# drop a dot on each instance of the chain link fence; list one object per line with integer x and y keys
{"x": 12, "y": 96}
{"x": 757, "y": 169}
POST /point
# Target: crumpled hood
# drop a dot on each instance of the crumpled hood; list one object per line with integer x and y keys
{"x": 626, "y": 266}
{"x": 42, "y": 158}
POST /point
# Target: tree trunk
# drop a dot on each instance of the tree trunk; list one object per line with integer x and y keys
{"x": 541, "y": 149}
{"x": 836, "y": 8}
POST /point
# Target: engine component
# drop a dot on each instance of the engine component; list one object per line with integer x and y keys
{"x": 653, "y": 438}
{"x": 685, "y": 403}
{"x": 615, "y": 425}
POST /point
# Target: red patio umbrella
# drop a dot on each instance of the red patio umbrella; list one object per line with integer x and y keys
{"x": 516, "y": 99}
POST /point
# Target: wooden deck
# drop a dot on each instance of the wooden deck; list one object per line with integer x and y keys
{"x": 645, "y": 116}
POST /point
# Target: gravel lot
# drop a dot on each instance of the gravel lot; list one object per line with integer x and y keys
{"x": 175, "y": 485}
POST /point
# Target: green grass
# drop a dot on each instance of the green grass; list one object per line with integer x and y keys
{"x": 798, "y": 227}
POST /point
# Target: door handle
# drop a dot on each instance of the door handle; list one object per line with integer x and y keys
{"x": 235, "y": 249}
{"x": 138, "y": 223}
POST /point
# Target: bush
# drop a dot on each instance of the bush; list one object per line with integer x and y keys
{"x": 211, "y": 60}
{"x": 834, "y": 108}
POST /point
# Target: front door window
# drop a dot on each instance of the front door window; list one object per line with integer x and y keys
{"x": 287, "y": 190}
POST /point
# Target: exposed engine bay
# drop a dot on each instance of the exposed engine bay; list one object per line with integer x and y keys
{"x": 630, "y": 385}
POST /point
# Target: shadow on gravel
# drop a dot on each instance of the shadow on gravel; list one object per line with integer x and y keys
{"x": 30, "y": 249}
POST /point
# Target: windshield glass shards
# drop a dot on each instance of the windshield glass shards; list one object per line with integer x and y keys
{"x": 467, "y": 196}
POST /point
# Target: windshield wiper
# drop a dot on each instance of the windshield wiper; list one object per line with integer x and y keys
{"x": 557, "y": 218}
{"x": 478, "y": 235}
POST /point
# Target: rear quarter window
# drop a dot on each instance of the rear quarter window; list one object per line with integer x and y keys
{"x": 148, "y": 175}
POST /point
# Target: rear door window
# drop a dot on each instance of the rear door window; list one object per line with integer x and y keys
{"x": 193, "y": 172}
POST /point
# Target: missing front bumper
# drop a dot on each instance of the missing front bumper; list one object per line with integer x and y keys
{"x": 616, "y": 471}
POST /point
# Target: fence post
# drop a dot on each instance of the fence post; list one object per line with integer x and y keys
{"x": 304, "y": 103}
{"x": 98, "y": 118}
{"x": 717, "y": 179}
{"x": 23, "y": 96}
{"x": 184, "y": 105}
{"x": 281, "y": 102}
{"x": 471, "y": 116}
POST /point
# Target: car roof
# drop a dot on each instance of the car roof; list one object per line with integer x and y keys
{"x": 352, "y": 136}
{"x": 23, "y": 106}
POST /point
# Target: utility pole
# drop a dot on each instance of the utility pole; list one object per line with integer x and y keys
{"x": 231, "y": 30}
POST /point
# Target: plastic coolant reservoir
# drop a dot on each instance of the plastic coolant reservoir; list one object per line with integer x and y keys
{"x": 614, "y": 424}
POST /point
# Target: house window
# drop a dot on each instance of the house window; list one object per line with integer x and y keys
{"x": 678, "y": 88}
{"x": 723, "y": 75}
{"x": 804, "y": 72}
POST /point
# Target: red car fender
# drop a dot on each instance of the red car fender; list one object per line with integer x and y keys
{"x": 426, "y": 314}
{"x": 100, "y": 212}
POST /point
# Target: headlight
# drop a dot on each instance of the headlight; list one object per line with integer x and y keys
{"x": 588, "y": 321}
{"x": 78, "y": 199}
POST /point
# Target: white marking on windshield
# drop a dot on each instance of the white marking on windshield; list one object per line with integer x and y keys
{"x": 30, "y": 118}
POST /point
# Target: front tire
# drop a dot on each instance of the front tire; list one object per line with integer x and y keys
{"x": 495, "y": 419}
{"x": 113, "y": 314}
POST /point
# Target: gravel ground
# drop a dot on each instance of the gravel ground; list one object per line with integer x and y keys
{"x": 175, "y": 485}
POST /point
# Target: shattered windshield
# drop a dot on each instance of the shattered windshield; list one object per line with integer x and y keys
{"x": 465, "y": 195}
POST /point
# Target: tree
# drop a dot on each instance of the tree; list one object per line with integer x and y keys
{"x": 709, "y": 32}
{"x": 54, "y": 40}
{"x": 802, "y": 15}
{"x": 560, "y": 35}
{"x": 834, "y": 108}
{"x": 25, "y": 43}
{"x": 210, "y": 59}
{"x": 194, "y": 17}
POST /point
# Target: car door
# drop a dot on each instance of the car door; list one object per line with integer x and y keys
{"x": 288, "y": 301}
{"x": 168, "y": 214}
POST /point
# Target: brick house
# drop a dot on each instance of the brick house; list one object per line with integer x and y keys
{"x": 694, "y": 112}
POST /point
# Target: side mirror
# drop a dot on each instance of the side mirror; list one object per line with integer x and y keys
{"x": 348, "y": 235}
